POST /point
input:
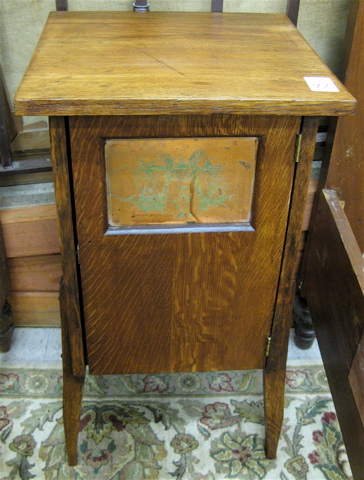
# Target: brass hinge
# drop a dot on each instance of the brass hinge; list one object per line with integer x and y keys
{"x": 297, "y": 149}
{"x": 267, "y": 346}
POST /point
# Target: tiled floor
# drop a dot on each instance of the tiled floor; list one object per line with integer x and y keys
{"x": 43, "y": 346}
{"x": 34, "y": 345}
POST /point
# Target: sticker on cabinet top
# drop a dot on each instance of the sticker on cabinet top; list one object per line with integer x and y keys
{"x": 321, "y": 84}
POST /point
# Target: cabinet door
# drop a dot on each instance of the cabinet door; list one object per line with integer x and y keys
{"x": 181, "y": 223}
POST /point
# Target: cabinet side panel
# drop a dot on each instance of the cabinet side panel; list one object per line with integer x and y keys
{"x": 64, "y": 200}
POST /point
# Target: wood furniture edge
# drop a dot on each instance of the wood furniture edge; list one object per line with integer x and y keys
{"x": 176, "y": 106}
{"x": 72, "y": 384}
{"x": 346, "y": 176}
{"x": 274, "y": 371}
{"x": 72, "y": 321}
{"x": 350, "y": 303}
{"x": 347, "y": 236}
{"x": 310, "y": 103}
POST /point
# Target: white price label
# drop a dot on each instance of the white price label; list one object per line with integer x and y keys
{"x": 321, "y": 84}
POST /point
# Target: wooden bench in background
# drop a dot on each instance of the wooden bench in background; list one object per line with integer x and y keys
{"x": 32, "y": 246}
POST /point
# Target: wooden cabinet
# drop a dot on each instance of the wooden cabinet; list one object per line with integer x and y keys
{"x": 182, "y": 147}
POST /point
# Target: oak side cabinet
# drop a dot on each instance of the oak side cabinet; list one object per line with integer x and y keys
{"x": 182, "y": 146}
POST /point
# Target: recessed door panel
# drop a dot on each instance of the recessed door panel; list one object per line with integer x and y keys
{"x": 163, "y": 181}
{"x": 197, "y": 299}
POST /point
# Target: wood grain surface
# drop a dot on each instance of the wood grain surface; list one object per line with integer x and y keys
{"x": 71, "y": 323}
{"x": 35, "y": 274}
{"x": 30, "y": 231}
{"x": 346, "y": 173}
{"x": 106, "y": 63}
{"x": 35, "y": 309}
{"x": 188, "y": 301}
{"x": 72, "y": 385}
{"x": 274, "y": 372}
{"x": 334, "y": 287}
{"x": 5, "y": 283}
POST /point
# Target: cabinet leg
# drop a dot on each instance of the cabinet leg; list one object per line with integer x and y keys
{"x": 72, "y": 388}
{"x": 72, "y": 404}
{"x": 274, "y": 383}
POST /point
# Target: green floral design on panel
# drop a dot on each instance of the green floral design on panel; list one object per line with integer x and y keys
{"x": 146, "y": 177}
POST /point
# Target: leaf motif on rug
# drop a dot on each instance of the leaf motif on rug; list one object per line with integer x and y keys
{"x": 14, "y": 410}
{"x": 250, "y": 411}
{"x": 329, "y": 455}
{"x": 239, "y": 455}
{"x": 23, "y": 446}
{"x": 218, "y": 415}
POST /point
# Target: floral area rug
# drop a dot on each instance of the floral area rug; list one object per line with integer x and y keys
{"x": 205, "y": 426}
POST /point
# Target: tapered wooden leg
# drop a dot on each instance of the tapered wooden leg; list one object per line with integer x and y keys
{"x": 72, "y": 389}
{"x": 274, "y": 408}
{"x": 275, "y": 367}
{"x": 72, "y": 403}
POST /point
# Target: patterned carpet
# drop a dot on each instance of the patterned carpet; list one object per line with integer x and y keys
{"x": 206, "y": 426}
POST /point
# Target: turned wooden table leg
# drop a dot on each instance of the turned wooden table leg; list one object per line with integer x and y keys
{"x": 303, "y": 326}
{"x": 72, "y": 389}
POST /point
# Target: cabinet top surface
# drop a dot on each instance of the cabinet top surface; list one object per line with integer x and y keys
{"x": 121, "y": 63}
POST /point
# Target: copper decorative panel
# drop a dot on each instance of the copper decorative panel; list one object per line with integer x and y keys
{"x": 180, "y": 180}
